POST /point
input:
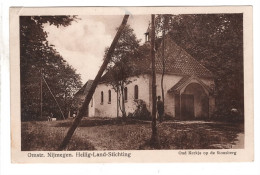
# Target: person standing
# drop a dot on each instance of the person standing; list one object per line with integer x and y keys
{"x": 160, "y": 108}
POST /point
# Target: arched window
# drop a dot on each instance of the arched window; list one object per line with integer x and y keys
{"x": 109, "y": 96}
{"x": 102, "y": 97}
{"x": 136, "y": 92}
{"x": 125, "y": 93}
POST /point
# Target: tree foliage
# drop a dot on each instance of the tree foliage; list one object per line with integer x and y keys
{"x": 122, "y": 64}
{"x": 216, "y": 41}
{"x": 36, "y": 56}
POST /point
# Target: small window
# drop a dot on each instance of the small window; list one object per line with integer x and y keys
{"x": 91, "y": 102}
{"x": 109, "y": 96}
{"x": 102, "y": 97}
{"x": 125, "y": 93}
{"x": 136, "y": 92}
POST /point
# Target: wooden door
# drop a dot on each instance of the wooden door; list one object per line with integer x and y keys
{"x": 187, "y": 107}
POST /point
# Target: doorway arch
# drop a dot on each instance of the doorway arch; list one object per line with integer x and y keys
{"x": 194, "y": 102}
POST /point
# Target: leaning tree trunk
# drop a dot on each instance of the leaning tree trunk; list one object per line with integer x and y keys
{"x": 154, "y": 142}
{"x": 94, "y": 85}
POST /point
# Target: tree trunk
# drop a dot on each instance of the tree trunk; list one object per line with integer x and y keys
{"x": 119, "y": 100}
{"x": 65, "y": 100}
{"x": 41, "y": 93}
{"x": 154, "y": 142}
{"x": 123, "y": 102}
{"x": 117, "y": 103}
{"x": 163, "y": 60}
{"x": 94, "y": 85}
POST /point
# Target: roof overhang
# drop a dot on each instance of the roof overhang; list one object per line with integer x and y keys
{"x": 186, "y": 80}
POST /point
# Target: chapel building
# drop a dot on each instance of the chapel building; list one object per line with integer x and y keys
{"x": 188, "y": 87}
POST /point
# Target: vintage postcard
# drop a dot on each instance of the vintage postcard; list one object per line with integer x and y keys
{"x": 131, "y": 84}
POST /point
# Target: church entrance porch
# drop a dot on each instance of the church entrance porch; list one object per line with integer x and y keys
{"x": 194, "y": 103}
{"x": 192, "y": 99}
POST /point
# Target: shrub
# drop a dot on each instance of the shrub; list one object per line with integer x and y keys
{"x": 167, "y": 117}
{"x": 228, "y": 116}
{"x": 141, "y": 112}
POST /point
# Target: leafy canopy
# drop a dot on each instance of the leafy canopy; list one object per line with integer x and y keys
{"x": 36, "y": 56}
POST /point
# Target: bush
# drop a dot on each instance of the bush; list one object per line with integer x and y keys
{"x": 167, "y": 117}
{"x": 228, "y": 116}
{"x": 141, "y": 112}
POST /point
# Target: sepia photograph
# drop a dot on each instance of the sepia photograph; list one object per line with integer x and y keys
{"x": 105, "y": 84}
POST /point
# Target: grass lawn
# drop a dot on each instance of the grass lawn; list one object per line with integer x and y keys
{"x": 113, "y": 134}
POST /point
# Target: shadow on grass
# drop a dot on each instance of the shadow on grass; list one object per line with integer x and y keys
{"x": 39, "y": 136}
{"x": 130, "y": 134}
{"x": 90, "y": 122}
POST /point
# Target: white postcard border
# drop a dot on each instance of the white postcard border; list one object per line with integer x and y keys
{"x": 245, "y": 154}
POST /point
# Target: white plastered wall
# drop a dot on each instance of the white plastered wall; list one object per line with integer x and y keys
{"x": 107, "y": 109}
{"x": 144, "y": 86}
{"x": 169, "y": 82}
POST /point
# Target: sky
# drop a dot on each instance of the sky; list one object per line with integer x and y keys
{"x": 82, "y": 44}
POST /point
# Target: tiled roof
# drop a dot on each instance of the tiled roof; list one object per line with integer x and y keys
{"x": 106, "y": 77}
{"x": 88, "y": 86}
{"x": 85, "y": 88}
{"x": 79, "y": 97}
{"x": 176, "y": 87}
{"x": 177, "y": 61}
